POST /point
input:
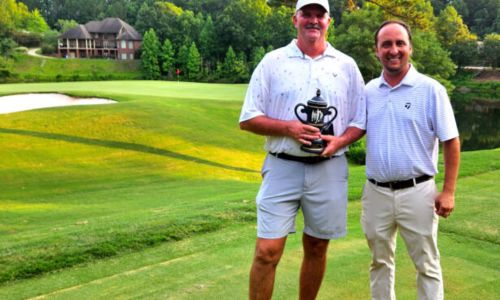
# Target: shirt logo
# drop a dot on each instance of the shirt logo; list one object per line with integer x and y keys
{"x": 407, "y": 105}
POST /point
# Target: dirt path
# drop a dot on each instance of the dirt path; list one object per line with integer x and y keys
{"x": 32, "y": 52}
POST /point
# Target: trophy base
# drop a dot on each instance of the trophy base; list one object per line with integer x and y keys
{"x": 316, "y": 147}
{"x": 312, "y": 150}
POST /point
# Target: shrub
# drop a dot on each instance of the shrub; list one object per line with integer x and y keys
{"x": 27, "y": 39}
{"x": 7, "y": 46}
{"x": 357, "y": 152}
{"x": 49, "y": 49}
{"x": 5, "y": 71}
{"x": 49, "y": 42}
{"x": 491, "y": 49}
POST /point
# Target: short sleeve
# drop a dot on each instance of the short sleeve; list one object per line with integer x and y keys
{"x": 256, "y": 95}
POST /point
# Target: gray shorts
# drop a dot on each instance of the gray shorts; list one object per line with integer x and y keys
{"x": 319, "y": 189}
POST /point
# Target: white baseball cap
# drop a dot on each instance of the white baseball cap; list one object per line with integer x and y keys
{"x": 323, "y": 3}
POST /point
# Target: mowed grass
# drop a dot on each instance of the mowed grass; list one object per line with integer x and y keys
{"x": 93, "y": 182}
{"x": 153, "y": 198}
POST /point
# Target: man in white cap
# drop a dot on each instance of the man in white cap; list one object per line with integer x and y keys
{"x": 294, "y": 179}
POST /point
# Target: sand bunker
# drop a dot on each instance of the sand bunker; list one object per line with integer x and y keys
{"x": 15, "y": 103}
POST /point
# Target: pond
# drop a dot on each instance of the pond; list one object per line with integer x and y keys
{"x": 478, "y": 123}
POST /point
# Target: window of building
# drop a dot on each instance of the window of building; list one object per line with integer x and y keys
{"x": 124, "y": 56}
{"x": 123, "y": 45}
{"x": 130, "y": 45}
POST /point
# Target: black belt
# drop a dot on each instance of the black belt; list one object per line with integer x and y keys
{"x": 302, "y": 159}
{"x": 398, "y": 185}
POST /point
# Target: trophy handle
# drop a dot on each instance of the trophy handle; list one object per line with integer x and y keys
{"x": 333, "y": 117}
{"x": 297, "y": 114}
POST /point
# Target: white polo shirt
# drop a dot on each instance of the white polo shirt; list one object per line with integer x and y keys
{"x": 404, "y": 124}
{"x": 286, "y": 77}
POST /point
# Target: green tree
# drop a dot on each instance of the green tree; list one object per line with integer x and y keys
{"x": 242, "y": 57}
{"x": 82, "y": 12}
{"x": 439, "y": 5}
{"x": 208, "y": 39}
{"x": 19, "y": 25}
{"x": 430, "y": 58}
{"x": 167, "y": 57}
{"x": 209, "y": 7}
{"x": 462, "y": 9}
{"x": 65, "y": 25}
{"x": 417, "y": 13}
{"x": 49, "y": 42}
{"x": 278, "y": 3}
{"x": 241, "y": 68}
{"x": 465, "y": 53}
{"x": 355, "y": 37}
{"x": 182, "y": 58}
{"x": 132, "y": 11}
{"x": 234, "y": 68}
{"x": 229, "y": 63}
{"x": 7, "y": 46}
{"x": 172, "y": 23}
{"x": 190, "y": 26}
{"x": 46, "y": 8}
{"x": 17, "y": 16}
{"x": 491, "y": 49}
{"x": 149, "y": 55}
{"x": 146, "y": 18}
{"x": 34, "y": 22}
{"x": 451, "y": 28}
{"x": 117, "y": 9}
{"x": 257, "y": 55}
{"x": 483, "y": 16}
{"x": 193, "y": 62}
{"x": 8, "y": 12}
{"x": 181, "y": 27}
{"x": 243, "y": 25}
{"x": 280, "y": 26}
{"x": 5, "y": 69}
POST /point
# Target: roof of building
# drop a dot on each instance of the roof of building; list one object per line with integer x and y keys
{"x": 117, "y": 26}
{"x": 78, "y": 32}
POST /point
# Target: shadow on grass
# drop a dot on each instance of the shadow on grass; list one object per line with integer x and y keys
{"x": 122, "y": 145}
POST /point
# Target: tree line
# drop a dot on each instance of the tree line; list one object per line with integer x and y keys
{"x": 481, "y": 16}
{"x": 223, "y": 40}
{"x": 228, "y": 47}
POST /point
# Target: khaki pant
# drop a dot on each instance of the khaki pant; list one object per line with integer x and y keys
{"x": 411, "y": 211}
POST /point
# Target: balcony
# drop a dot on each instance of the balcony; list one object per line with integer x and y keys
{"x": 95, "y": 44}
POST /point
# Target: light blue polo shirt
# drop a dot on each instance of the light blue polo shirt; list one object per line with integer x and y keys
{"x": 404, "y": 124}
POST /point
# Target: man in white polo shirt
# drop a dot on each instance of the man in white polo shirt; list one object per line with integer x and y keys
{"x": 407, "y": 113}
{"x": 292, "y": 178}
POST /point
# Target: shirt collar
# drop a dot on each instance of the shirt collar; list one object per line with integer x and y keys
{"x": 294, "y": 51}
{"x": 410, "y": 78}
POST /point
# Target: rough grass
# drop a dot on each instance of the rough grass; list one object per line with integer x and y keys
{"x": 26, "y": 68}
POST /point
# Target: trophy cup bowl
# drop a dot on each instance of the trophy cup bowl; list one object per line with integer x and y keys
{"x": 316, "y": 110}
